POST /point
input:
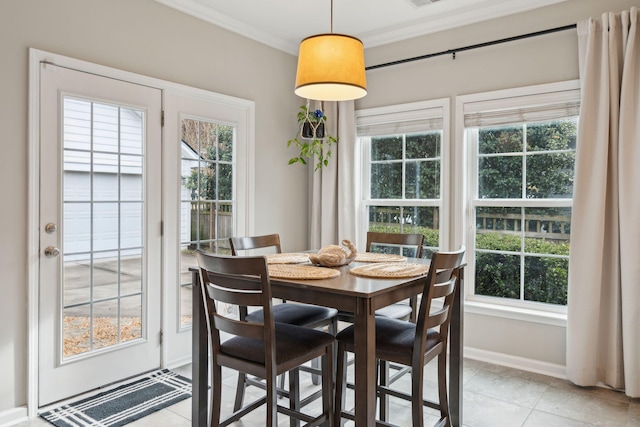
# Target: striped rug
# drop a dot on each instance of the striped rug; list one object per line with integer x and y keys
{"x": 125, "y": 403}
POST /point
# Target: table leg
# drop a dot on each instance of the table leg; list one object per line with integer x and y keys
{"x": 456, "y": 355}
{"x": 200, "y": 356}
{"x": 365, "y": 364}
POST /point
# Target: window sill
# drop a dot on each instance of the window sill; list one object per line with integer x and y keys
{"x": 516, "y": 313}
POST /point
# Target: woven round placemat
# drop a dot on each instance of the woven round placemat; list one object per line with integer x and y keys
{"x": 377, "y": 257}
{"x": 390, "y": 270}
{"x": 292, "y": 258}
{"x": 301, "y": 272}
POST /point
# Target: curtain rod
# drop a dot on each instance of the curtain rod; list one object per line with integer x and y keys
{"x": 475, "y": 46}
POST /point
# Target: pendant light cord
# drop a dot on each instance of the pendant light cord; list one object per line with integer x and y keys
{"x": 331, "y": 27}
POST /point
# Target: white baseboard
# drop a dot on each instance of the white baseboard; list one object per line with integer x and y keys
{"x": 13, "y": 416}
{"x": 179, "y": 362}
{"x": 517, "y": 362}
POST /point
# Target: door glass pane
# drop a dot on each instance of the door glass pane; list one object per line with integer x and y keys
{"x": 103, "y": 286}
{"x": 105, "y": 226}
{"x": 77, "y": 273}
{"x": 207, "y": 199}
{"x": 130, "y": 320}
{"x": 76, "y": 330}
{"x": 105, "y": 276}
{"x": 131, "y": 219}
{"x": 187, "y": 262}
{"x": 131, "y": 272}
{"x": 105, "y": 324}
{"x": 77, "y": 226}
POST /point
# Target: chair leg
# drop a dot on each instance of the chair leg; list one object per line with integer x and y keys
{"x": 315, "y": 363}
{"x": 216, "y": 395}
{"x": 242, "y": 377}
{"x": 413, "y": 302}
{"x": 340, "y": 383}
{"x": 294, "y": 395}
{"x": 384, "y": 398}
{"x": 281, "y": 384}
{"x": 333, "y": 330}
{"x": 442, "y": 388}
{"x": 315, "y": 378}
{"x": 417, "y": 390}
{"x": 272, "y": 402}
{"x": 327, "y": 386}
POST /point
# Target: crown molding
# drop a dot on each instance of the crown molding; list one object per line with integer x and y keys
{"x": 196, "y": 9}
{"x": 444, "y": 15}
{"x": 449, "y": 17}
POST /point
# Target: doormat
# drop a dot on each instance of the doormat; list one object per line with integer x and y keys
{"x": 125, "y": 403}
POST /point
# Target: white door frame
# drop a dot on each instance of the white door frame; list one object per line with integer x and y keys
{"x": 36, "y": 57}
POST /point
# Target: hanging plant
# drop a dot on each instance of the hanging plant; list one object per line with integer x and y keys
{"x": 312, "y": 138}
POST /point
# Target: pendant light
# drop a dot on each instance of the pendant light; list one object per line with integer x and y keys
{"x": 331, "y": 67}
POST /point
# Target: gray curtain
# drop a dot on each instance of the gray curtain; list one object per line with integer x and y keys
{"x": 332, "y": 188}
{"x": 603, "y": 329}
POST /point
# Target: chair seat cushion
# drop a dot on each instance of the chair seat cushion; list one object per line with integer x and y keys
{"x": 296, "y": 314}
{"x": 291, "y": 342}
{"x": 394, "y": 338}
{"x": 393, "y": 311}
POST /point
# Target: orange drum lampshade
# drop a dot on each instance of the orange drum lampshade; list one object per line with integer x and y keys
{"x": 331, "y": 68}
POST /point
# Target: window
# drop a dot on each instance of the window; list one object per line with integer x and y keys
{"x": 104, "y": 200}
{"x": 402, "y": 183}
{"x": 521, "y": 147}
{"x": 206, "y": 215}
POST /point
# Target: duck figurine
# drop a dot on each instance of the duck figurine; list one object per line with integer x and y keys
{"x": 335, "y": 255}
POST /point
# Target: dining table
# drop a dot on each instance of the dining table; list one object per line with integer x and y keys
{"x": 355, "y": 294}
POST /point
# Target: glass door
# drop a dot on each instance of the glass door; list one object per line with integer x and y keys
{"x": 100, "y": 232}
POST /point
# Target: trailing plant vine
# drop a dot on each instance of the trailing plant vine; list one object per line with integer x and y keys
{"x": 312, "y": 139}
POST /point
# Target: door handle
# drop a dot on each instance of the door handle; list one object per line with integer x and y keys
{"x": 51, "y": 252}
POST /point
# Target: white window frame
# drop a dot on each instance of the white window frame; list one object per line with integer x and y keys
{"x": 467, "y": 201}
{"x": 404, "y": 113}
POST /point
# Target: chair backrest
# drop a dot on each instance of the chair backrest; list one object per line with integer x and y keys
{"x": 241, "y": 281}
{"x": 255, "y": 242}
{"x": 441, "y": 281}
{"x": 406, "y": 242}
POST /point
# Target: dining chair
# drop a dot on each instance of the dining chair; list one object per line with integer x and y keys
{"x": 411, "y": 344}
{"x": 409, "y": 245}
{"x": 306, "y": 315}
{"x": 264, "y": 349}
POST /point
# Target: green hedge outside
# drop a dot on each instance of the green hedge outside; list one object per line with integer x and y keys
{"x": 431, "y": 236}
{"x": 498, "y": 275}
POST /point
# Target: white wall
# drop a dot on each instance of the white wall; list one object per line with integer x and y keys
{"x": 545, "y": 59}
{"x": 147, "y": 38}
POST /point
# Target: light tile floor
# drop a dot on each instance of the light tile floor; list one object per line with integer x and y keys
{"x": 494, "y": 396}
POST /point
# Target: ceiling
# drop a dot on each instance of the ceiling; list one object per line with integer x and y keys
{"x": 283, "y": 23}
